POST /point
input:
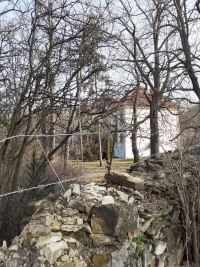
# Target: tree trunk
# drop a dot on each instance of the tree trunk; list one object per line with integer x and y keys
{"x": 135, "y": 126}
{"x": 66, "y": 156}
{"x": 100, "y": 149}
{"x": 194, "y": 234}
{"x": 134, "y": 146}
{"x": 154, "y": 138}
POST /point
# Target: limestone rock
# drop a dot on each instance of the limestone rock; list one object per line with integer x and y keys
{"x": 160, "y": 247}
{"x": 102, "y": 260}
{"x": 92, "y": 195}
{"x": 2, "y": 255}
{"x": 119, "y": 257}
{"x": 78, "y": 230}
{"x": 13, "y": 248}
{"x": 126, "y": 180}
{"x": 70, "y": 228}
{"x": 4, "y": 247}
{"x": 41, "y": 259}
{"x": 67, "y": 194}
{"x": 99, "y": 239}
{"x": 73, "y": 202}
{"x": 54, "y": 250}
{"x": 131, "y": 200}
{"x": 122, "y": 196}
{"x": 69, "y": 212}
{"x": 76, "y": 189}
{"x": 109, "y": 219}
{"x": 107, "y": 200}
{"x": 147, "y": 258}
{"x": 39, "y": 229}
{"x": 43, "y": 240}
{"x": 72, "y": 253}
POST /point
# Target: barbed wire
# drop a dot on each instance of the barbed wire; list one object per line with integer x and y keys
{"x": 51, "y": 165}
{"x": 59, "y": 182}
{"x": 92, "y": 133}
{"x": 22, "y": 190}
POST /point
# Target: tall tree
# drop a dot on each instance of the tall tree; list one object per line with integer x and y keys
{"x": 142, "y": 32}
{"x": 186, "y": 21}
{"x": 43, "y": 48}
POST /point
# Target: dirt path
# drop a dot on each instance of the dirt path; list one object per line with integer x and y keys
{"x": 100, "y": 173}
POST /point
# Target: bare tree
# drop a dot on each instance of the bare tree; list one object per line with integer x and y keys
{"x": 143, "y": 33}
{"x": 44, "y": 48}
{"x": 186, "y": 20}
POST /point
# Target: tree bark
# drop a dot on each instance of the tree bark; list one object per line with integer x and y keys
{"x": 194, "y": 234}
{"x": 154, "y": 138}
{"x": 134, "y": 146}
{"x": 100, "y": 149}
{"x": 135, "y": 127}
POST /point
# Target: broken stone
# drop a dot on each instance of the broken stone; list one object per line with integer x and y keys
{"x": 2, "y": 255}
{"x": 68, "y": 220}
{"x": 73, "y": 202}
{"x": 65, "y": 258}
{"x": 119, "y": 257}
{"x": 41, "y": 259}
{"x": 146, "y": 225}
{"x": 138, "y": 195}
{"x": 43, "y": 240}
{"x": 122, "y": 196}
{"x": 160, "y": 247}
{"x": 99, "y": 239}
{"x": 54, "y": 250}
{"x": 4, "y": 247}
{"x": 39, "y": 229}
{"x": 109, "y": 219}
{"x": 147, "y": 258}
{"x": 71, "y": 228}
{"x": 107, "y": 242}
{"x": 72, "y": 253}
{"x": 69, "y": 212}
{"x": 70, "y": 239}
{"x": 16, "y": 256}
{"x": 33, "y": 241}
{"x": 76, "y": 189}
{"x": 131, "y": 200}
{"x": 126, "y": 180}
{"x": 91, "y": 196}
{"x": 107, "y": 200}
{"x": 13, "y": 248}
{"x": 155, "y": 227}
{"x": 67, "y": 194}
{"x": 102, "y": 260}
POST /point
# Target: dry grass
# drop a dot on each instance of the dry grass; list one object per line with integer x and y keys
{"x": 90, "y": 167}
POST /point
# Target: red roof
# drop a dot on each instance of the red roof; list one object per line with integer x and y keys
{"x": 130, "y": 98}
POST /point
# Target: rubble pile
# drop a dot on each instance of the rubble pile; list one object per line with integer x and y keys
{"x": 131, "y": 222}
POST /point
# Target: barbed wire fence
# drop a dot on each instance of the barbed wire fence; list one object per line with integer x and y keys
{"x": 73, "y": 179}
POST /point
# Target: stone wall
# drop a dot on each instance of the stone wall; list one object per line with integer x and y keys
{"x": 91, "y": 225}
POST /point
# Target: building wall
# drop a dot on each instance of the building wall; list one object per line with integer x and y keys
{"x": 168, "y": 129}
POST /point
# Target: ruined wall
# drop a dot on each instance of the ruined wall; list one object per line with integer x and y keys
{"x": 90, "y": 225}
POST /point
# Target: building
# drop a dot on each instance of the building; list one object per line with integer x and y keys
{"x": 123, "y": 118}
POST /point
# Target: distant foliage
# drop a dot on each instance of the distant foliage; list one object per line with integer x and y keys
{"x": 42, "y": 177}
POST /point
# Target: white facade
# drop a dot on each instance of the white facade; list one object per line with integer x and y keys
{"x": 168, "y": 129}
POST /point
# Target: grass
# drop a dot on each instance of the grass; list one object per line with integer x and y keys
{"x": 92, "y": 165}
{"x": 140, "y": 240}
{"x": 97, "y": 164}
